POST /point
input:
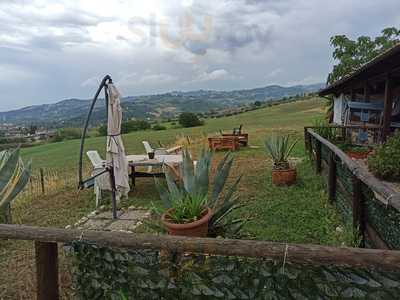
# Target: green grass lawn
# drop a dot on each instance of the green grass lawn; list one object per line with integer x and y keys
{"x": 295, "y": 214}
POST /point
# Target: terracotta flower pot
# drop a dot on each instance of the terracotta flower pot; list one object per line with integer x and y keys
{"x": 197, "y": 228}
{"x": 357, "y": 155}
{"x": 284, "y": 177}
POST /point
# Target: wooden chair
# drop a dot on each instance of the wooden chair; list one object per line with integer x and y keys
{"x": 161, "y": 151}
{"x": 243, "y": 137}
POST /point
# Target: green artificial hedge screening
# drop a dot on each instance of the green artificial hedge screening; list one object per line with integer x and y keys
{"x": 383, "y": 218}
{"x": 104, "y": 273}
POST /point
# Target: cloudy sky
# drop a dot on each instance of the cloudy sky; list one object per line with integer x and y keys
{"x": 52, "y": 50}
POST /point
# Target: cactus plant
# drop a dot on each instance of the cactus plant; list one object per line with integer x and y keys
{"x": 193, "y": 194}
{"x": 13, "y": 178}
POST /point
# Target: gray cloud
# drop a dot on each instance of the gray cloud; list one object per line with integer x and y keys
{"x": 61, "y": 49}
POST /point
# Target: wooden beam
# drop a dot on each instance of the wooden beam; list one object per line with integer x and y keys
{"x": 387, "y": 110}
{"x": 374, "y": 237}
{"x": 46, "y": 270}
{"x": 332, "y": 177}
{"x": 352, "y": 94}
{"x": 318, "y": 156}
{"x": 296, "y": 253}
{"x": 366, "y": 91}
{"x": 358, "y": 209}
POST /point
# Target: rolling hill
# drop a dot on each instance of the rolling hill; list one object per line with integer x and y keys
{"x": 72, "y": 112}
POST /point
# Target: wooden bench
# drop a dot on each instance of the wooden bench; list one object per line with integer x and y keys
{"x": 243, "y": 138}
{"x": 224, "y": 143}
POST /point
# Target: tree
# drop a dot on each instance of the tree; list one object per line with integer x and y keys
{"x": 32, "y": 129}
{"x": 188, "y": 119}
{"x": 257, "y": 103}
{"x": 102, "y": 130}
{"x": 352, "y": 54}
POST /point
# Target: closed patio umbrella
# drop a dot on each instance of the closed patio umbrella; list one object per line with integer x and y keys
{"x": 115, "y": 156}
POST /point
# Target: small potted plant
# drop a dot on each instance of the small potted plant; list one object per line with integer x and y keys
{"x": 279, "y": 147}
{"x": 190, "y": 209}
{"x": 356, "y": 151}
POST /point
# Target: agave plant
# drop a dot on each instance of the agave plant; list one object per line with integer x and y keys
{"x": 13, "y": 178}
{"x": 279, "y": 147}
{"x": 191, "y": 197}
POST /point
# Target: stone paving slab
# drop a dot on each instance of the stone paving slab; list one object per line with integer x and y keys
{"x": 127, "y": 220}
{"x": 105, "y": 215}
{"x": 135, "y": 215}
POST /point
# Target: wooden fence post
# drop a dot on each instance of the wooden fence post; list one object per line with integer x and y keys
{"x": 332, "y": 177}
{"x": 42, "y": 180}
{"x": 358, "y": 209}
{"x": 306, "y": 139}
{"x": 344, "y": 134}
{"x": 46, "y": 270}
{"x": 318, "y": 157}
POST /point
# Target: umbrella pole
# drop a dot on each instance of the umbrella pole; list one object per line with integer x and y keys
{"x": 113, "y": 193}
{"x": 111, "y": 168}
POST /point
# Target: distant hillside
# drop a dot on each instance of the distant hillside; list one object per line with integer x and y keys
{"x": 72, "y": 112}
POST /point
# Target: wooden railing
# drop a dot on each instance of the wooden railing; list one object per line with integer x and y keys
{"x": 46, "y": 240}
{"x": 386, "y": 194}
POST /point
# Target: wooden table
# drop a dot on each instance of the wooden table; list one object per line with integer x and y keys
{"x": 142, "y": 160}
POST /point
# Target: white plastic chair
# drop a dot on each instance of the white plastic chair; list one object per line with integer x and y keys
{"x": 101, "y": 182}
{"x": 149, "y": 149}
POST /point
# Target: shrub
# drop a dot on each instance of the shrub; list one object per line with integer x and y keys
{"x": 67, "y": 134}
{"x": 126, "y": 127}
{"x": 103, "y": 130}
{"x": 159, "y": 127}
{"x": 385, "y": 161}
{"x": 188, "y": 119}
{"x": 322, "y": 128}
{"x": 134, "y": 125}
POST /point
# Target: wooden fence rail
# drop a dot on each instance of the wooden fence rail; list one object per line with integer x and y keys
{"x": 46, "y": 240}
{"x": 386, "y": 194}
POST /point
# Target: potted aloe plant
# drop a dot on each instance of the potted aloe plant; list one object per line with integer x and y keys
{"x": 280, "y": 147}
{"x": 190, "y": 209}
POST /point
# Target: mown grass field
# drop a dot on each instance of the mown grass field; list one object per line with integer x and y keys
{"x": 297, "y": 214}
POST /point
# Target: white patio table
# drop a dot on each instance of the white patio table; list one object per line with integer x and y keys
{"x": 142, "y": 160}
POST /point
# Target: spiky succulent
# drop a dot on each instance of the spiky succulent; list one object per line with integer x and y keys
{"x": 279, "y": 147}
{"x": 13, "y": 178}
{"x": 196, "y": 192}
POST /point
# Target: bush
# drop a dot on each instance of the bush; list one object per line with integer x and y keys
{"x": 188, "y": 119}
{"x": 159, "y": 127}
{"x": 323, "y": 128}
{"x": 103, "y": 130}
{"x": 385, "y": 161}
{"x": 134, "y": 125}
{"x": 128, "y": 126}
{"x": 67, "y": 134}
